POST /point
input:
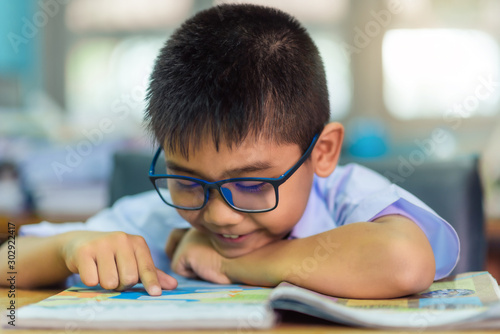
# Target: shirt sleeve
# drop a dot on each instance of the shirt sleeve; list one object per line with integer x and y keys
{"x": 382, "y": 198}
{"x": 442, "y": 237}
{"x": 354, "y": 193}
{"x": 143, "y": 214}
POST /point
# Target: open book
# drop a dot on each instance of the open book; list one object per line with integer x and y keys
{"x": 469, "y": 300}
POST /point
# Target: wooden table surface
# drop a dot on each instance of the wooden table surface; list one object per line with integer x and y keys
{"x": 292, "y": 322}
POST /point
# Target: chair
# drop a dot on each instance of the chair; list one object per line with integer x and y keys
{"x": 130, "y": 174}
{"x": 452, "y": 188}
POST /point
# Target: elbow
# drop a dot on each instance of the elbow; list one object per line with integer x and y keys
{"x": 17, "y": 281}
{"x": 414, "y": 271}
{"x": 22, "y": 283}
{"x": 31, "y": 284}
{"x": 413, "y": 280}
{"x": 14, "y": 282}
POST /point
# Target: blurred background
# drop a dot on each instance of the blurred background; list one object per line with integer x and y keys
{"x": 408, "y": 78}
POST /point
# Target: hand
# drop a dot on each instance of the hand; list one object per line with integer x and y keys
{"x": 115, "y": 260}
{"x": 195, "y": 257}
{"x": 173, "y": 241}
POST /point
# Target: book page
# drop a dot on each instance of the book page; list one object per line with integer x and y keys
{"x": 448, "y": 301}
{"x": 193, "y": 304}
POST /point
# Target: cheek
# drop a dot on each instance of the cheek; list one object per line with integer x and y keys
{"x": 190, "y": 216}
{"x": 293, "y": 197}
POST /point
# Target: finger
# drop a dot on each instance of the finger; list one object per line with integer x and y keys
{"x": 166, "y": 281}
{"x": 87, "y": 269}
{"x": 220, "y": 279}
{"x": 213, "y": 276}
{"x": 106, "y": 267}
{"x": 127, "y": 268}
{"x": 147, "y": 269}
{"x": 184, "y": 269}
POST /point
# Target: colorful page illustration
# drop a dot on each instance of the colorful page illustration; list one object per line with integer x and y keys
{"x": 193, "y": 304}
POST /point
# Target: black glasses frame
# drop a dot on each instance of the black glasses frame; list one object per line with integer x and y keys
{"x": 275, "y": 182}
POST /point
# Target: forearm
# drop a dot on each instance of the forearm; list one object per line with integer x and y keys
{"x": 38, "y": 262}
{"x": 363, "y": 260}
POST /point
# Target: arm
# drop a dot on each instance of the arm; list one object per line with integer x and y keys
{"x": 115, "y": 260}
{"x": 38, "y": 262}
{"x": 389, "y": 258}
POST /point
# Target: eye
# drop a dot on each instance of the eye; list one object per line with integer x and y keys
{"x": 250, "y": 186}
{"x": 185, "y": 184}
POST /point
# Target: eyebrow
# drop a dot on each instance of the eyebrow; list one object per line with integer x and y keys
{"x": 258, "y": 166}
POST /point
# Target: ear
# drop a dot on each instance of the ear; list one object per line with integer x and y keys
{"x": 326, "y": 152}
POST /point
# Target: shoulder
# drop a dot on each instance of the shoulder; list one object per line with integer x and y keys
{"x": 356, "y": 193}
{"x": 352, "y": 192}
{"x": 351, "y": 180}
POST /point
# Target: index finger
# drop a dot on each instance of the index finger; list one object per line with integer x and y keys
{"x": 147, "y": 269}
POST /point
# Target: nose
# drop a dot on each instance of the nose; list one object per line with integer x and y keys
{"x": 218, "y": 212}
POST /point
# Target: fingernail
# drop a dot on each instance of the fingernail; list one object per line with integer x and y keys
{"x": 155, "y": 290}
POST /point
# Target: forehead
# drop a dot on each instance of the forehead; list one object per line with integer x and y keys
{"x": 251, "y": 144}
{"x": 206, "y": 156}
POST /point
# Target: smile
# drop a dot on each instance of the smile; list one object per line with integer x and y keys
{"x": 232, "y": 238}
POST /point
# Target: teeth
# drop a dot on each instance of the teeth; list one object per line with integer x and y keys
{"x": 230, "y": 236}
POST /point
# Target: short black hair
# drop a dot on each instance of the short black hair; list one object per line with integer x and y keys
{"x": 234, "y": 70}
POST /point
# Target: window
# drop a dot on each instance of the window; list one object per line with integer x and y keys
{"x": 431, "y": 72}
{"x": 109, "y": 63}
{"x": 108, "y": 77}
{"x": 338, "y": 75}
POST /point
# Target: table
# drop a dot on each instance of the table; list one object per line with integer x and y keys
{"x": 292, "y": 322}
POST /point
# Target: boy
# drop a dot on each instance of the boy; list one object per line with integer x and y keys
{"x": 238, "y": 94}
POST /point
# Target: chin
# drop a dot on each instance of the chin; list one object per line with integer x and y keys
{"x": 236, "y": 250}
{"x": 232, "y": 253}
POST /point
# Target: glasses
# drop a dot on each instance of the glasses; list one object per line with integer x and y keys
{"x": 245, "y": 194}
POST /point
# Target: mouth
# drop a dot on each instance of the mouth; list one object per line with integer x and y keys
{"x": 232, "y": 238}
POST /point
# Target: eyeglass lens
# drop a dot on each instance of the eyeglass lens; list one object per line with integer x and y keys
{"x": 246, "y": 195}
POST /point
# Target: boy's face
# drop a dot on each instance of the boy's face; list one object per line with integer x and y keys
{"x": 253, "y": 158}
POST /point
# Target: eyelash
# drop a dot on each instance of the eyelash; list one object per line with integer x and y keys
{"x": 252, "y": 189}
{"x": 187, "y": 186}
